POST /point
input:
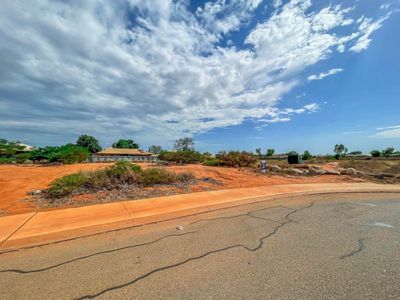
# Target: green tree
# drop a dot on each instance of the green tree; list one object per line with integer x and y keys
{"x": 258, "y": 151}
{"x": 67, "y": 154}
{"x": 184, "y": 144}
{"x": 388, "y": 151}
{"x": 89, "y": 142}
{"x": 270, "y": 152}
{"x": 125, "y": 144}
{"x": 340, "y": 149}
{"x": 155, "y": 149}
{"x": 375, "y": 153}
{"x": 307, "y": 155}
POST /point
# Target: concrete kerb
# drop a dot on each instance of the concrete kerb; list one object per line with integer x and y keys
{"x": 52, "y": 226}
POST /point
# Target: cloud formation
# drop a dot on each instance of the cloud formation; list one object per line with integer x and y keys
{"x": 388, "y": 132}
{"x": 156, "y": 71}
{"x": 323, "y": 75}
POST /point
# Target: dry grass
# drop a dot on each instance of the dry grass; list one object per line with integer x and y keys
{"x": 373, "y": 166}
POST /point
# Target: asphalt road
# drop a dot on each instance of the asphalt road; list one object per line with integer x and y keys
{"x": 316, "y": 247}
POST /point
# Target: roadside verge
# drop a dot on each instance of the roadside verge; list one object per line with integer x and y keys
{"x": 50, "y": 226}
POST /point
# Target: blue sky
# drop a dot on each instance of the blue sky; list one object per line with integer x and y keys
{"x": 290, "y": 75}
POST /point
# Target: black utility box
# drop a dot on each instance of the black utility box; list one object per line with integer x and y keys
{"x": 295, "y": 159}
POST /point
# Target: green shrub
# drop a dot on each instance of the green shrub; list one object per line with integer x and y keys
{"x": 6, "y": 160}
{"x": 375, "y": 153}
{"x": 183, "y": 157}
{"x": 68, "y": 154}
{"x": 185, "y": 177}
{"x": 307, "y": 155}
{"x": 157, "y": 176}
{"x": 67, "y": 184}
{"x": 213, "y": 162}
{"x": 237, "y": 158}
{"x": 122, "y": 172}
{"x": 98, "y": 179}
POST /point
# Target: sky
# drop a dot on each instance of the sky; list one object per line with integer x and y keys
{"x": 234, "y": 75}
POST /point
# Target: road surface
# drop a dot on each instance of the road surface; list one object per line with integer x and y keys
{"x": 316, "y": 247}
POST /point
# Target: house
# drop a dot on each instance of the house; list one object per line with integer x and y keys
{"x": 116, "y": 154}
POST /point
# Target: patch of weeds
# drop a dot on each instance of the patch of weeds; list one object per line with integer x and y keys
{"x": 66, "y": 185}
{"x": 119, "y": 176}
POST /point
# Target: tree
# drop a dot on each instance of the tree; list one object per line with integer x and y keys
{"x": 375, "y": 153}
{"x": 340, "y": 149}
{"x": 155, "y": 149}
{"x": 89, "y": 142}
{"x": 258, "y": 151}
{"x": 307, "y": 155}
{"x": 270, "y": 152}
{"x": 125, "y": 144}
{"x": 184, "y": 144}
{"x": 388, "y": 151}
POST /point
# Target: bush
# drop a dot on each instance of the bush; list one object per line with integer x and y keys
{"x": 375, "y": 153}
{"x": 66, "y": 185}
{"x": 307, "y": 155}
{"x": 157, "y": 176}
{"x": 122, "y": 172}
{"x": 183, "y": 157}
{"x": 185, "y": 177}
{"x": 6, "y": 160}
{"x": 68, "y": 154}
{"x": 213, "y": 162}
{"x": 236, "y": 158}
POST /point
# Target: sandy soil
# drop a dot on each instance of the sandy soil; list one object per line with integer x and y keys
{"x": 17, "y": 180}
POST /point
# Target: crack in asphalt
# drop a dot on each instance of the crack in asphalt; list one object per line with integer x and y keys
{"x": 249, "y": 214}
{"x": 241, "y": 246}
{"x": 361, "y": 247}
{"x": 94, "y": 254}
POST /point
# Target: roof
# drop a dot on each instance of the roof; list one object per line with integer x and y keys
{"x": 120, "y": 151}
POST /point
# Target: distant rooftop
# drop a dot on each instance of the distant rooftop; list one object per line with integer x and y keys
{"x": 120, "y": 151}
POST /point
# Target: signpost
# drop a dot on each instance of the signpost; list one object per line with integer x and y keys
{"x": 263, "y": 166}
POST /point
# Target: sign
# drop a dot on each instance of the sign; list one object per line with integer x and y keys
{"x": 263, "y": 166}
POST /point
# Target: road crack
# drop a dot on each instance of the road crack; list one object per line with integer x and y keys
{"x": 240, "y": 246}
{"x": 361, "y": 247}
{"x": 94, "y": 254}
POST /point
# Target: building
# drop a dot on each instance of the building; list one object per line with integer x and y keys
{"x": 116, "y": 154}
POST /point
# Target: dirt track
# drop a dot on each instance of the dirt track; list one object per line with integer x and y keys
{"x": 17, "y": 181}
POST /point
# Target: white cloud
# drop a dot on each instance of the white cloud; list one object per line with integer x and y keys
{"x": 384, "y": 6}
{"x": 276, "y": 115}
{"x": 388, "y": 132}
{"x": 153, "y": 70}
{"x": 366, "y": 28}
{"x": 323, "y": 75}
{"x": 276, "y": 3}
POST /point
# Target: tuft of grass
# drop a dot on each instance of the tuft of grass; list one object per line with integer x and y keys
{"x": 185, "y": 177}
{"x": 157, "y": 176}
{"x": 213, "y": 162}
{"x": 66, "y": 185}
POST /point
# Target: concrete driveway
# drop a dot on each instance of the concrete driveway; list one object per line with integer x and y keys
{"x": 315, "y": 247}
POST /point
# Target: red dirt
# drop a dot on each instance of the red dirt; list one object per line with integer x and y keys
{"x": 16, "y": 181}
